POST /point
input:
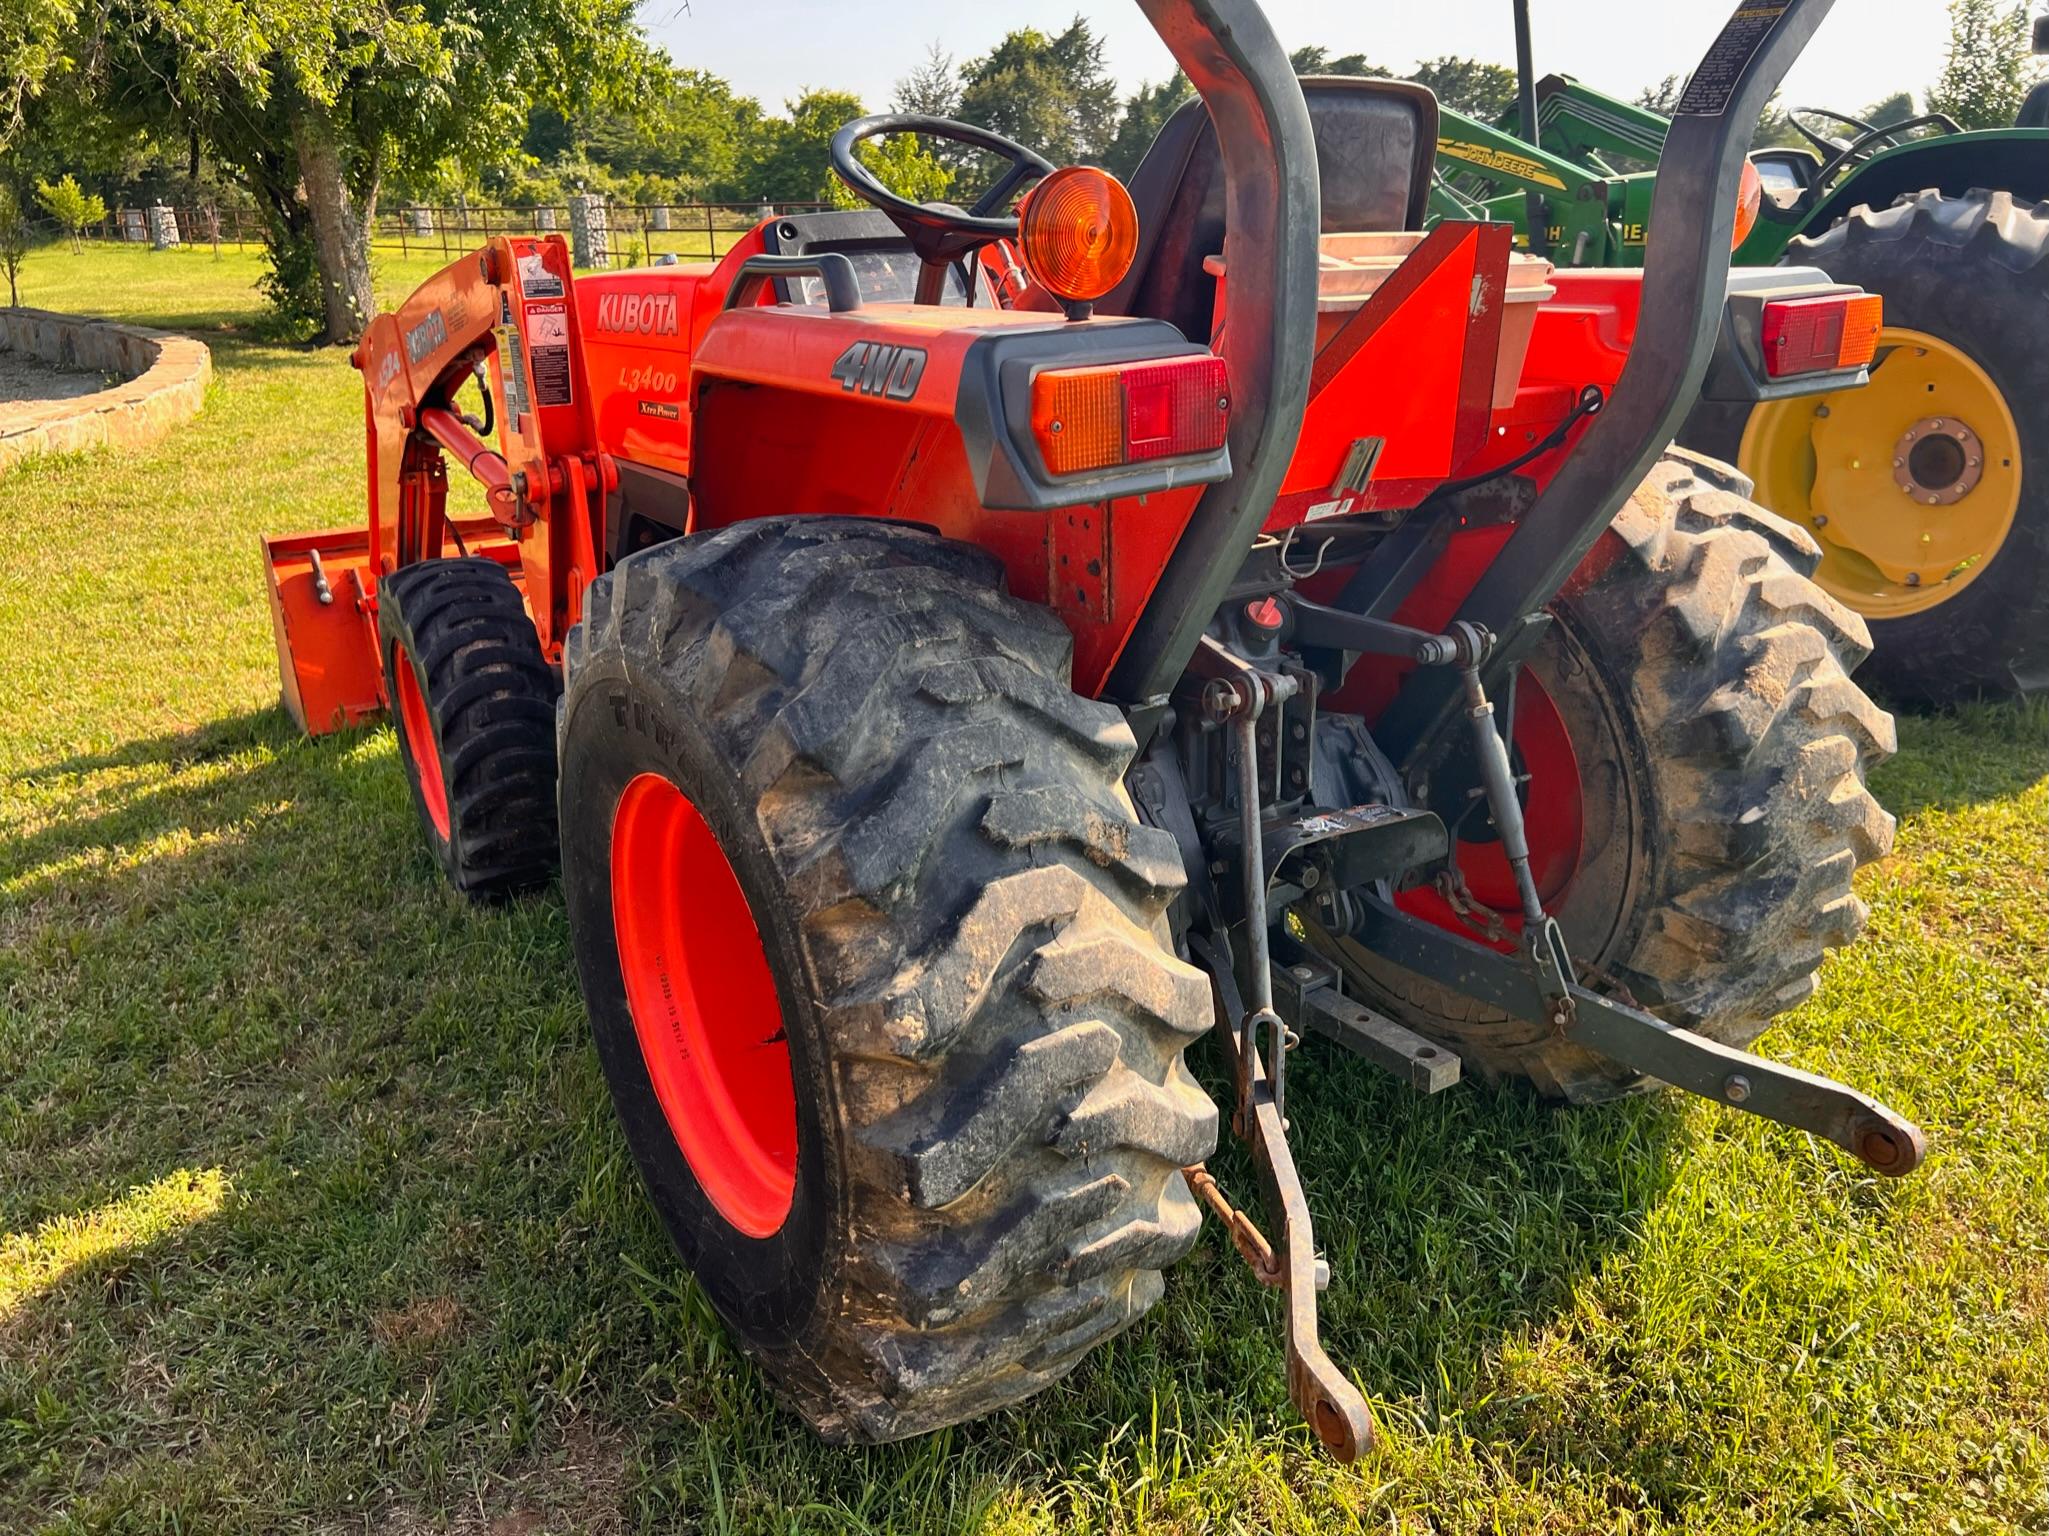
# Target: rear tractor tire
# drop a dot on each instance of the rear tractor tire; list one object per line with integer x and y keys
{"x": 1703, "y": 682}
{"x": 473, "y": 702}
{"x": 1928, "y": 489}
{"x": 870, "y": 940}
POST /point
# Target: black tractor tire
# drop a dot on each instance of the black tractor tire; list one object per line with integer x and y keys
{"x": 964, "y": 921}
{"x": 1973, "y": 270}
{"x": 455, "y": 636}
{"x": 1704, "y": 682}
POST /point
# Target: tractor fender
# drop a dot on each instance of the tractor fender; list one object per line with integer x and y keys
{"x": 2012, "y": 160}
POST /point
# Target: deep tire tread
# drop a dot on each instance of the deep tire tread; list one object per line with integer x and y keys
{"x": 490, "y": 696}
{"x": 979, "y": 905}
{"x": 1736, "y": 669}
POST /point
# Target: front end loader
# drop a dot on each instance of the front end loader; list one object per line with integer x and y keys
{"x": 1928, "y": 490}
{"x": 964, "y": 657}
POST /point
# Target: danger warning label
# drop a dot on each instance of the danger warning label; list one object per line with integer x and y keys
{"x": 547, "y": 338}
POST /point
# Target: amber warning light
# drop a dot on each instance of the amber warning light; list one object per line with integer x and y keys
{"x": 1078, "y": 233}
{"x": 1127, "y": 413}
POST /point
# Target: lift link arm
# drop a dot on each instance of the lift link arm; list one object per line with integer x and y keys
{"x": 1539, "y": 983}
{"x": 1234, "y": 694}
{"x": 1880, "y": 1138}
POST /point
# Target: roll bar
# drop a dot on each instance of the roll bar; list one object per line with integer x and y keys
{"x": 1272, "y": 219}
{"x": 1686, "y": 274}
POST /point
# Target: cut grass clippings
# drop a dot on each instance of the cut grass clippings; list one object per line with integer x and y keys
{"x": 314, "y": 1217}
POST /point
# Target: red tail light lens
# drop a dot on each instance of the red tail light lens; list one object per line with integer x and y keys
{"x": 1097, "y": 418}
{"x": 1834, "y": 330}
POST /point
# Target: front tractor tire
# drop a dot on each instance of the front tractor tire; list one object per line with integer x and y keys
{"x": 870, "y": 940}
{"x": 473, "y": 703}
{"x": 1928, "y": 488}
{"x": 1721, "y": 749}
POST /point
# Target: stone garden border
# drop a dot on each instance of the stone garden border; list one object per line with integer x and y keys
{"x": 165, "y": 378}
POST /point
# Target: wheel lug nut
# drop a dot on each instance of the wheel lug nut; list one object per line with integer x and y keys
{"x": 1913, "y": 578}
{"x": 1820, "y": 520}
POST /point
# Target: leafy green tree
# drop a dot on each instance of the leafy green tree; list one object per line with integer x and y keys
{"x": 1051, "y": 94}
{"x": 14, "y": 234}
{"x": 1887, "y": 110}
{"x": 1662, "y": 98}
{"x": 1145, "y": 113}
{"x": 903, "y": 165}
{"x": 1317, "y": 60}
{"x": 71, "y": 207}
{"x": 1988, "y": 70}
{"x": 312, "y": 105}
{"x": 1468, "y": 85}
{"x": 790, "y": 160}
{"x": 932, "y": 89}
{"x": 32, "y": 35}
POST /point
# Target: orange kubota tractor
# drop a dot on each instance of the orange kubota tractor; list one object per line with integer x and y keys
{"x": 959, "y": 658}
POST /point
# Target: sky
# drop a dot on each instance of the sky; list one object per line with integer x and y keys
{"x": 773, "y": 49}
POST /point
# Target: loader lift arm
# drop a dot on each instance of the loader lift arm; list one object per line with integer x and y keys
{"x": 501, "y": 315}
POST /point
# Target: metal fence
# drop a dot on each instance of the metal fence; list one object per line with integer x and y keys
{"x": 637, "y": 233}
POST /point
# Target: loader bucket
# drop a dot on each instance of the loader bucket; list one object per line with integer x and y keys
{"x": 326, "y": 628}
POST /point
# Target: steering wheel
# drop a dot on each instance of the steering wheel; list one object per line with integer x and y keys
{"x": 1837, "y": 156}
{"x": 1829, "y": 146}
{"x": 940, "y": 233}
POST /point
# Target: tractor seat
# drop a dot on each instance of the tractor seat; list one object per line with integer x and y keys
{"x": 1375, "y": 143}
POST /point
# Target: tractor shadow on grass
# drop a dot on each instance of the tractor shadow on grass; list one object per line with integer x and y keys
{"x": 1964, "y": 756}
{"x": 227, "y": 948}
{"x": 1452, "y": 1224}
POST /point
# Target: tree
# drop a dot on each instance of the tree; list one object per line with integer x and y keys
{"x": 1662, "y": 98}
{"x": 32, "y": 34}
{"x": 1317, "y": 60}
{"x": 69, "y": 206}
{"x": 313, "y": 104}
{"x": 1887, "y": 110}
{"x": 932, "y": 89}
{"x": 1477, "y": 89}
{"x": 13, "y": 241}
{"x": 903, "y": 165}
{"x": 1145, "y": 113}
{"x": 1988, "y": 72}
{"x": 791, "y": 160}
{"x": 1051, "y": 94}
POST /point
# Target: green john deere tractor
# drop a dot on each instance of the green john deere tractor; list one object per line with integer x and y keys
{"x": 1928, "y": 490}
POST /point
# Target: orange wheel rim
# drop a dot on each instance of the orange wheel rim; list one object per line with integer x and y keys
{"x": 704, "y": 1005}
{"x": 417, "y": 732}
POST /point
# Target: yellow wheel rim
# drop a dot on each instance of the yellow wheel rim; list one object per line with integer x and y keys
{"x": 1910, "y": 484}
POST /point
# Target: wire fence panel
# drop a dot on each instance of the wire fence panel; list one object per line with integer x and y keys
{"x": 637, "y": 233}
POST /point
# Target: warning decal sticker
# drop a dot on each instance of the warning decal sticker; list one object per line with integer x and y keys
{"x": 1713, "y": 85}
{"x": 547, "y": 334}
{"x": 535, "y": 280}
{"x": 512, "y": 369}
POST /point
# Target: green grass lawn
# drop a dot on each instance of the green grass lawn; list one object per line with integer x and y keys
{"x": 313, "y": 1216}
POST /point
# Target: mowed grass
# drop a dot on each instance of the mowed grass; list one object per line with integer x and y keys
{"x": 313, "y": 1216}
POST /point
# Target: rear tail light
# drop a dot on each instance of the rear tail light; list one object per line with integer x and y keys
{"x": 1126, "y": 413}
{"x": 1817, "y": 335}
